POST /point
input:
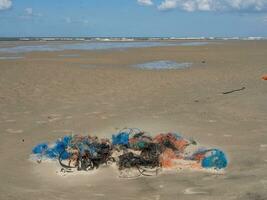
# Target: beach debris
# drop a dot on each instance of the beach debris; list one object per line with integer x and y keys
{"x": 264, "y": 77}
{"x": 210, "y": 158}
{"x": 236, "y": 90}
{"x": 133, "y": 151}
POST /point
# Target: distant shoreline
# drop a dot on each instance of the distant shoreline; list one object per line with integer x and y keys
{"x": 51, "y": 46}
{"x": 126, "y": 39}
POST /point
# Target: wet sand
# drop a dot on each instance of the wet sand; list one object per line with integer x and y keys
{"x": 44, "y": 96}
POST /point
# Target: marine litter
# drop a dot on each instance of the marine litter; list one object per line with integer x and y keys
{"x": 132, "y": 152}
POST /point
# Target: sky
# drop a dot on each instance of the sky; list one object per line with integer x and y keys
{"x": 133, "y": 18}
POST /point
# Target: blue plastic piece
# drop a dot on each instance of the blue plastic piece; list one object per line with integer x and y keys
{"x": 215, "y": 158}
{"x": 67, "y": 139}
{"x": 65, "y": 155}
{"x": 51, "y": 153}
{"x": 120, "y": 139}
{"x": 59, "y": 147}
{"x": 54, "y": 151}
{"x": 40, "y": 148}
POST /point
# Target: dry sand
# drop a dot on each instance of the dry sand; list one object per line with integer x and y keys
{"x": 45, "y": 96}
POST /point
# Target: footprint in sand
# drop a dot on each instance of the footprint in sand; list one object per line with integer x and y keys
{"x": 52, "y": 118}
{"x": 227, "y": 135}
{"x": 93, "y": 113}
{"x": 68, "y": 117}
{"x": 63, "y": 131}
{"x": 99, "y": 195}
{"x": 156, "y": 197}
{"x": 212, "y": 121}
{"x": 112, "y": 115}
{"x": 54, "y": 115}
{"x": 96, "y": 112}
{"x": 13, "y": 131}
{"x": 10, "y": 120}
{"x": 264, "y": 182}
{"x": 41, "y": 122}
{"x": 193, "y": 191}
{"x": 263, "y": 147}
{"x": 103, "y": 117}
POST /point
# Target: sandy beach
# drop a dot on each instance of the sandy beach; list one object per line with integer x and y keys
{"x": 49, "y": 94}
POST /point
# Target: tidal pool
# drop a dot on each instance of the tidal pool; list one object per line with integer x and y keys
{"x": 163, "y": 64}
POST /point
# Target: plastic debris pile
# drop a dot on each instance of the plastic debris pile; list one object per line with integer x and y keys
{"x": 264, "y": 77}
{"x": 130, "y": 150}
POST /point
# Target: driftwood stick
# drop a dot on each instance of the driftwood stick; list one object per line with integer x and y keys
{"x": 228, "y": 92}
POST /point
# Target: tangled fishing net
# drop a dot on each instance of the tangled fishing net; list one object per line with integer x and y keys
{"x": 134, "y": 152}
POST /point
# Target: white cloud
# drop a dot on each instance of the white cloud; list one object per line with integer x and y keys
{"x": 214, "y": 5}
{"x": 145, "y": 2}
{"x": 68, "y": 20}
{"x": 29, "y": 11}
{"x": 5, "y": 4}
{"x": 85, "y": 21}
{"x": 167, "y": 4}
